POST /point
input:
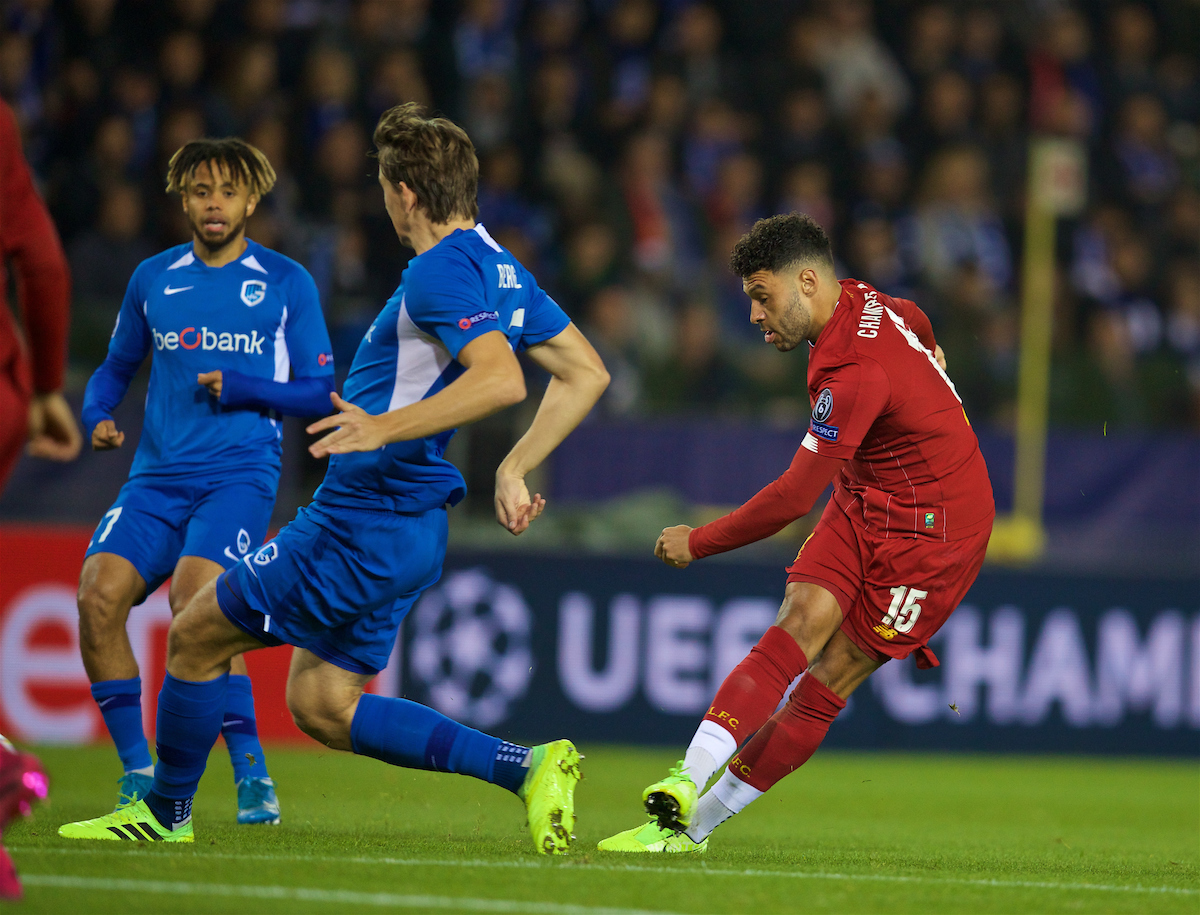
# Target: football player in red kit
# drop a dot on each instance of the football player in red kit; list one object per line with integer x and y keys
{"x": 895, "y": 550}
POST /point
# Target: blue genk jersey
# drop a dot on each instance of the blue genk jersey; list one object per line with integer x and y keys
{"x": 462, "y": 288}
{"x": 259, "y": 315}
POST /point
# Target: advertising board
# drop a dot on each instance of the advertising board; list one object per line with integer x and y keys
{"x": 626, "y": 650}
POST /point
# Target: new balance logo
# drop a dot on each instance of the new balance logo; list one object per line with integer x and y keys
{"x": 508, "y": 276}
{"x": 171, "y": 290}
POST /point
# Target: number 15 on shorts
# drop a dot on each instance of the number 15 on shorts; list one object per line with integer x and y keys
{"x": 904, "y": 610}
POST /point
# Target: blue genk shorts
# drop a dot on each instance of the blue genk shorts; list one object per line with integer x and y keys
{"x": 337, "y": 581}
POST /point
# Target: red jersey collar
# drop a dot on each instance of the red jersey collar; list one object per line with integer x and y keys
{"x": 844, "y": 297}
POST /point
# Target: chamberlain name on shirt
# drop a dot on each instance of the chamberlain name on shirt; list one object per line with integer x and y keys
{"x": 205, "y": 339}
{"x": 872, "y": 315}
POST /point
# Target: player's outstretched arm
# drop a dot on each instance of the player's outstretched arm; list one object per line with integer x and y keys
{"x": 491, "y": 382}
{"x": 769, "y": 511}
{"x": 302, "y": 396}
{"x": 577, "y": 379}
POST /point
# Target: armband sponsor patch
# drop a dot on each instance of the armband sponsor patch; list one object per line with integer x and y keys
{"x": 468, "y": 323}
{"x": 829, "y": 433}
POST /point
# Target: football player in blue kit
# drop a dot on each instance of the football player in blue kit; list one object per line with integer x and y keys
{"x": 338, "y": 580}
{"x": 226, "y": 322}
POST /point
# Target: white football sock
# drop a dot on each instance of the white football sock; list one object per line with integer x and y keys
{"x": 734, "y": 793}
{"x": 728, "y": 796}
{"x": 710, "y": 749}
{"x": 710, "y": 813}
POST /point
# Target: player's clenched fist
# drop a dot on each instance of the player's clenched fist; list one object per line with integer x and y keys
{"x": 672, "y": 546}
{"x": 105, "y": 436}
{"x": 53, "y": 433}
{"x": 212, "y": 381}
{"x": 354, "y": 430}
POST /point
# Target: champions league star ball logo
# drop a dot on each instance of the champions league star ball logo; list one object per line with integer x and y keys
{"x": 823, "y": 408}
{"x": 470, "y": 647}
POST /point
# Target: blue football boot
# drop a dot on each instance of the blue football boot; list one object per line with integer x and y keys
{"x": 257, "y": 802}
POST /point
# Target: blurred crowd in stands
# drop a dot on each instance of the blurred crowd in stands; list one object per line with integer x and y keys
{"x": 626, "y": 144}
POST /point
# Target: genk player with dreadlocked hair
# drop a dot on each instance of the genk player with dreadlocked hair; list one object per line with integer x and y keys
{"x": 227, "y": 324}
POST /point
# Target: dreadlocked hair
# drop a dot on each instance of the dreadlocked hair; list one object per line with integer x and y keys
{"x": 778, "y": 242}
{"x": 433, "y": 157}
{"x": 245, "y": 164}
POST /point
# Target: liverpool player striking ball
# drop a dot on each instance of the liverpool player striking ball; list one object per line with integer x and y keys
{"x": 895, "y": 551}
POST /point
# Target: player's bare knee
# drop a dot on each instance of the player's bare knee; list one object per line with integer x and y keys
{"x": 843, "y": 666}
{"x": 810, "y": 615}
{"x": 103, "y": 610}
{"x": 191, "y": 639}
{"x": 179, "y": 599}
{"x": 182, "y": 639}
{"x": 320, "y": 719}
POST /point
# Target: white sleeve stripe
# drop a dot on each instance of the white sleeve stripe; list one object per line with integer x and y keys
{"x": 483, "y": 233}
{"x": 810, "y": 442}
{"x": 283, "y": 363}
{"x": 420, "y": 361}
{"x": 253, "y": 264}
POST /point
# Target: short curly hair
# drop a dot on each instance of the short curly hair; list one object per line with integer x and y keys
{"x": 434, "y": 157}
{"x": 778, "y": 242}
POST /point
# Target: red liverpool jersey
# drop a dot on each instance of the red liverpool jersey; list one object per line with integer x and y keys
{"x": 880, "y": 401}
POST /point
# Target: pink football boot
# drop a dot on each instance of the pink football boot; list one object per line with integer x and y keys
{"x": 22, "y": 781}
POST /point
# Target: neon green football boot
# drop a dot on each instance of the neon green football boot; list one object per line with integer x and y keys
{"x": 652, "y": 837}
{"x": 672, "y": 801}
{"x": 549, "y": 795}
{"x": 131, "y": 822}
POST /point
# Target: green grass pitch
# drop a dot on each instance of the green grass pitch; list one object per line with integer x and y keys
{"x": 849, "y": 833}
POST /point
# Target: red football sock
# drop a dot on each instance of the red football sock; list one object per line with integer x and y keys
{"x": 793, "y": 734}
{"x": 753, "y": 689}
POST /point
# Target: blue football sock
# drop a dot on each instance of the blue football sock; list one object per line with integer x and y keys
{"x": 412, "y": 735}
{"x": 509, "y": 769}
{"x": 120, "y": 703}
{"x": 189, "y": 720}
{"x": 240, "y": 730}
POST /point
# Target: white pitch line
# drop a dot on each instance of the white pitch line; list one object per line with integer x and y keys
{"x": 640, "y": 868}
{"x": 336, "y": 897}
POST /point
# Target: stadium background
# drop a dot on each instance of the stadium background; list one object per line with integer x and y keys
{"x": 624, "y": 145}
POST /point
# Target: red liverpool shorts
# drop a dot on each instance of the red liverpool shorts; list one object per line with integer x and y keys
{"x": 894, "y": 592}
